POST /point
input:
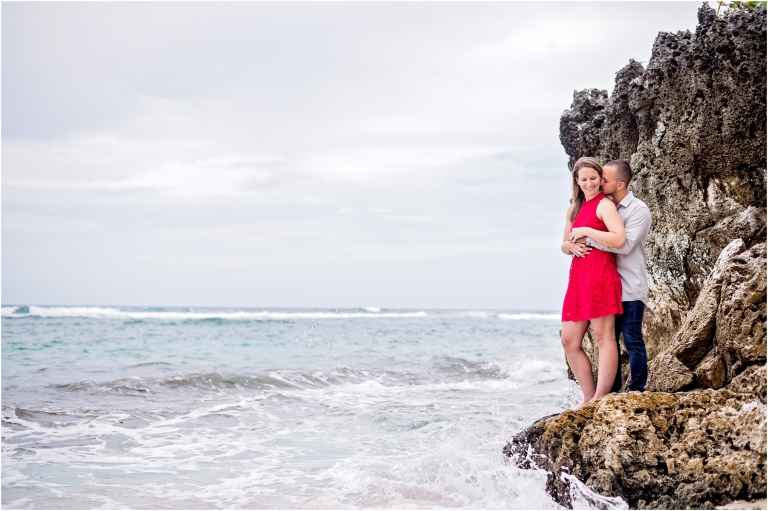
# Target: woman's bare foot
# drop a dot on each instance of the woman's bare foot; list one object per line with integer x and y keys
{"x": 584, "y": 403}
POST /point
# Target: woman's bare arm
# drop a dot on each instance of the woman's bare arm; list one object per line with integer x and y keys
{"x": 615, "y": 237}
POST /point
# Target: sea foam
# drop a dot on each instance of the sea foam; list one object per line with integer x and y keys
{"x": 227, "y": 408}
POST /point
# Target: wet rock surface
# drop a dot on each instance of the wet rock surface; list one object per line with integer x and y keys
{"x": 655, "y": 450}
{"x": 693, "y": 127}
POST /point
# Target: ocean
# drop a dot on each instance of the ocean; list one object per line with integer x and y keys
{"x": 201, "y": 408}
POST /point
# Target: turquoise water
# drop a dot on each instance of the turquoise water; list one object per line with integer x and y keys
{"x": 240, "y": 408}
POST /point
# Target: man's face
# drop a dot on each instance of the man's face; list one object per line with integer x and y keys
{"x": 609, "y": 184}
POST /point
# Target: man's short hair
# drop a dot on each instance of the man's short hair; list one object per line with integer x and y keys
{"x": 623, "y": 170}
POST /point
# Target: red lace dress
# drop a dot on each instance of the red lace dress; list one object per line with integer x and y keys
{"x": 594, "y": 287}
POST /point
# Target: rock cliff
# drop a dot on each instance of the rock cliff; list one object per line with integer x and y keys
{"x": 693, "y": 127}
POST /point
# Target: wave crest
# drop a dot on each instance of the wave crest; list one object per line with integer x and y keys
{"x": 186, "y": 314}
{"x": 190, "y": 315}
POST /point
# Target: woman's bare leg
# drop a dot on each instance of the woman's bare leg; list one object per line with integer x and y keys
{"x": 573, "y": 333}
{"x": 608, "y": 362}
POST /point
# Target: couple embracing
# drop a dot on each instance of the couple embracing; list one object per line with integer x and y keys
{"x": 605, "y": 231}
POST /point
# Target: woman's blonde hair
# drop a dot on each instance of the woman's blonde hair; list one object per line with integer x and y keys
{"x": 578, "y": 195}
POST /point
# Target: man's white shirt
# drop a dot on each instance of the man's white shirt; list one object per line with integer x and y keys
{"x": 630, "y": 259}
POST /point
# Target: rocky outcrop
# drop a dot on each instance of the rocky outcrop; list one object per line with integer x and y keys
{"x": 725, "y": 331}
{"x": 740, "y": 325}
{"x": 693, "y": 127}
{"x": 657, "y": 450}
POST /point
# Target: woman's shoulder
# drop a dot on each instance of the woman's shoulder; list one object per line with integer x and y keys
{"x": 605, "y": 201}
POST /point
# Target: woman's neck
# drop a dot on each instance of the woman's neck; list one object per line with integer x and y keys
{"x": 590, "y": 197}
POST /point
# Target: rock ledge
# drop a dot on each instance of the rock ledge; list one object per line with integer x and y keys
{"x": 656, "y": 450}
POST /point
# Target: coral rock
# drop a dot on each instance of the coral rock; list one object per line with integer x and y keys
{"x": 667, "y": 374}
{"x": 653, "y": 449}
{"x": 751, "y": 382}
{"x": 710, "y": 372}
{"x": 693, "y": 340}
{"x": 692, "y": 125}
{"x": 741, "y": 317}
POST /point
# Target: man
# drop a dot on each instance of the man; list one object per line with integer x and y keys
{"x": 630, "y": 262}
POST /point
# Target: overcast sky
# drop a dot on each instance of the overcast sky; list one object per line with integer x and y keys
{"x": 400, "y": 155}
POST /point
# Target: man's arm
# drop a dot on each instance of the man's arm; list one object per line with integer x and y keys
{"x": 638, "y": 223}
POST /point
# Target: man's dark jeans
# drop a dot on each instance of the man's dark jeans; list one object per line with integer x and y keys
{"x": 630, "y": 324}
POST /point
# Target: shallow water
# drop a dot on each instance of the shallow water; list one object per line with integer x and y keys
{"x": 237, "y": 408}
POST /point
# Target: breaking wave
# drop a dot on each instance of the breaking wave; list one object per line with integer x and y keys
{"x": 188, "y": 314}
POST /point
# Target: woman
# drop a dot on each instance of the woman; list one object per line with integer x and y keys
{"x": 594, "y": 288}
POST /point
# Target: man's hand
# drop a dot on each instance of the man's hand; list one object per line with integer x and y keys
{"x": 578, "y": 232}
{"x": 578, "y": 249}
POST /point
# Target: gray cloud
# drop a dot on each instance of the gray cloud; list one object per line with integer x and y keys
{"x": 298, "y": 154}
